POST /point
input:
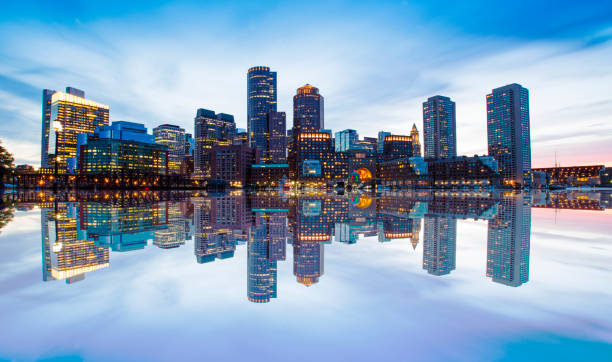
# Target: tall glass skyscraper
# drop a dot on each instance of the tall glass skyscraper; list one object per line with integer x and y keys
{"x": 276, "y": 150}
{"x": 308, "y": 110}
{"x": 508, "y": 132}
{"x": 70, "y": 115}
{"x": 439, "y": 127}
{"x": 261, "y": 100}
{"x": 345, "y": 140}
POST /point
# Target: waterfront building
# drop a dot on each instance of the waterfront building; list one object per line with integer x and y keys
{"x": 210, "y": 130}
{"x": 261, "y": 100}
{"x": 174, "y": 138}
{"x": 261, "y": 270}
{"x": 312, "y": 150}
{"x": 397, "y": 147}
{"x": 231, "y": 163}
{"x": 403, "y": 172}
{"x": 269, "y": 175}
{"x": 508, "y": 133}
{"x": 70, "y": 114}
{"x": 508, "y": 241}
{"x": 592, "y": 175}
{"x": 439, "y": 127}
{"x": 439, "y": 244}
{"x": 308, "y": 110}
{"x": 119, "y": 148}
{"x": 463, "y": 171}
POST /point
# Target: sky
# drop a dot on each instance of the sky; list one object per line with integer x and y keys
{"x": 374, "y": 62}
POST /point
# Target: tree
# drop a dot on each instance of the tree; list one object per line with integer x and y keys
{"x": 6, "y": 162}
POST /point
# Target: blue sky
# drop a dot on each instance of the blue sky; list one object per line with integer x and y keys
{"x": 375, "y": 63}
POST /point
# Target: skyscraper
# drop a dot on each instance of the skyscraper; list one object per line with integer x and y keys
{"x": 261, "y": 99}
{"x": 276, "y": 149}
{"x": 210, "y": 130}
{"x": 416, "y": 143}
{"x": 174, "y": 138}
{"x": 70, "y": 115}
{"x": 508, "y": 132}
{"x": 308, "y": 110}
{"x": 46, "y": 126}
{"x": 439, "y": 127}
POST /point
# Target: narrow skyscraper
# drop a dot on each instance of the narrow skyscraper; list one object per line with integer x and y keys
{"x": 416, "y": 143}
{"x": 508, "y": 133}
{"x": 439, "y": 127}
{"x": 308, "y": 110}
{"x": 46, "y": 127}
{"x": 261, "y": 100}
{"x": 276, "y": 149}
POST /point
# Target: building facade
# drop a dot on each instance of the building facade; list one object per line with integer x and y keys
{"x": 308, "y": 110}
{"x": 261, "y": 100}
{"x": 276, "y": 147}
{"x": 210, "y": 130}
{"x": 231, "y": 163}
{"x": 439, "y": 127}
{"x": 508, "y": 133}
{"x": 123, "y": 147}
{"x": 174, "y": 138}
{"x": 70, "y": 115}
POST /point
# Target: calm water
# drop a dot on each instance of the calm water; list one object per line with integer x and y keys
{"x": 402, "y": 276}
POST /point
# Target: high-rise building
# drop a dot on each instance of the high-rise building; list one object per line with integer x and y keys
{"x": 261, "y": 100}
{"x": 345, "y": 140}
{"x": 508, "y": 241}
{"x": 439, "y": 127}
{"x": 308, "y": 110}
{"x": 508, "y": 133}
{"x": 210, "y": 130}
{"x": 439, "y": 244}
{"x": 70, "y": 115}
{"x": 174, "y": 138}
{"x": 231, "y": 163}
{"x": 312, "y": 151}
{"x": 416, "y": 143}
{"x": 276, "y": 149}
{"x": 46, "y": 127}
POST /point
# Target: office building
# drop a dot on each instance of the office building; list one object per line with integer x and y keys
{"x": 397, "y": 147}
{"x": 276, "y": 148}
{"x": 439, "y": 127}
{"x": 210, "y": 130}
{"x": 380, "y": 144}
{"x": 261, "y": 100}
{"x": 231, "y": 164}
{"x": 46, "y": 127}
{"x": 508, "y": 133}
{"x": 345, "y": 140}
{"x": 70, "y": 115}
{"x": 463, "y": 171}
{"x": 308, "y": 110}
{"x": 174, "y": 138}
{"x": 123, "y": 147}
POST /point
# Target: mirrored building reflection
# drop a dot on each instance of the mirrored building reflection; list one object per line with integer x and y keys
{"x": 508, "y": 240}
{"x": 79, "y": 232}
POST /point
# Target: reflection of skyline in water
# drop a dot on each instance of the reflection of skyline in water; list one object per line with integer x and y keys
{"x": 78, "y": 235}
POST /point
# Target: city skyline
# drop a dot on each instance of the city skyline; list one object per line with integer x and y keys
{"x": 543, "y": 59}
